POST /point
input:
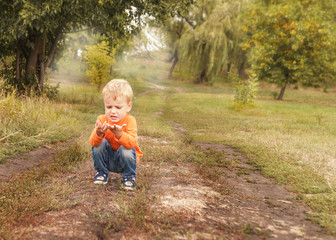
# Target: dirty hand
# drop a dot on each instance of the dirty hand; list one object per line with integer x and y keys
{"x": 101, "y": 128}
{"x": 117, "y": 130}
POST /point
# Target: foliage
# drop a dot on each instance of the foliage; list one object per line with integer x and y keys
{"x": 212, "y": 39}
{"x": 23, "y": 87}
{"x": 100, "y": 60}
{"x": 51, "y": 92}
{"x": 291, "y": 42}
{"x": 245, "y": 93}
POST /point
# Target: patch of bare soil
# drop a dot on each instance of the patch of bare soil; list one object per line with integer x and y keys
{"x": 25, "y": 161}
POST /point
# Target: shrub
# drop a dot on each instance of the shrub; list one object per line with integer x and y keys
{"x": 245, "y": 93}
{"x": 99, "y": 59}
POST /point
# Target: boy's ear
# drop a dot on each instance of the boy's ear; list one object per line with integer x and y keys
{"x": 130, "y": 104}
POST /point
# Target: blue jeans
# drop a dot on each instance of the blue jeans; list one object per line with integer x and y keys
{"x": 108, "y": 160}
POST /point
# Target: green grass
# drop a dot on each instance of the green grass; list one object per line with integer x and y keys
{"x": 147, "y": 110}
{"x": 30, "y": 122}
{"x": 288, "y": 131}
{"x": 27, "y": 123}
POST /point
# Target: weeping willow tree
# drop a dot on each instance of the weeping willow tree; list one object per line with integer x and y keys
{"x": 212, "y": 40}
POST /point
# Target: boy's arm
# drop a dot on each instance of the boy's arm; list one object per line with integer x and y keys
{"x": 129, "y": 137}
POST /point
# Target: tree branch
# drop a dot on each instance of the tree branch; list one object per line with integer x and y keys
{"x": 81, "y": 30}
{"x": 54, "y": 46}
{"x": 188, "y": 21}
{"x": 18, "y": 52}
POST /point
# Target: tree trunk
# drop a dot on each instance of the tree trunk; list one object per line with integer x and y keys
{"x": 42, "y": 61}
{"x": 54, "y": 46}
{"x": 241, "y": 64}
{"x": 241, "y": 69}
{"x": 174, "y": 63}
{"x": 228, "y": 67}
{"x": 31, "y": 64}
{"x": 201, "y": 77}
{"x": 280, "y": 97}
{"x": 171, "y": 58}
{"x": 18, "y": 73}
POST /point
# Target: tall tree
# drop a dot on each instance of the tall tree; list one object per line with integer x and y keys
{"x": 33, "y": 30}
{"x": 212, "y": 40}
{"x": 291, "y": 42}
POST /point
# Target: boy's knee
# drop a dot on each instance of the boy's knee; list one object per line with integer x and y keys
{"x": 127, "y": 154}
{"x": 100, "y": 147}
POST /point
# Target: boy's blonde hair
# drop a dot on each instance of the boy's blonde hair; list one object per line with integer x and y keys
{"x": 118, "y": 88}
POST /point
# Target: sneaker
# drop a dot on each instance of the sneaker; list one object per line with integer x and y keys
{"x": 128, "y": 183}
{"x": 100, "y": 178}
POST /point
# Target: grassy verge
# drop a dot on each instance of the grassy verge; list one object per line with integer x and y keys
{"x": 30, "y": 122}
{"x": 26, "y": 123}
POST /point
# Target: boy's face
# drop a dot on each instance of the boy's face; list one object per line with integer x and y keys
{"x": 116, "y": 108}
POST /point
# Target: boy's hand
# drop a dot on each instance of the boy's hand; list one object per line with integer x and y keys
{"x": 101, "y": 128}
{"x": 117, "y": 130}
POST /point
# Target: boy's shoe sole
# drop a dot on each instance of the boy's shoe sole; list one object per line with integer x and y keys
{"x": 128, "y": 188}
{"x": 128, "y": 184}
{"x": 100, "y": 178}
{"x": 100, "y": 182}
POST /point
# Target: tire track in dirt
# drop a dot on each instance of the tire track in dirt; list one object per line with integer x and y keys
{"x": 26, "y": 161}
{"x": 253, "y": 201}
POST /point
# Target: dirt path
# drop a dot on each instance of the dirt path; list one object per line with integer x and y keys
{"x": 183, "y": 202}
{"x": 173, "y": 201}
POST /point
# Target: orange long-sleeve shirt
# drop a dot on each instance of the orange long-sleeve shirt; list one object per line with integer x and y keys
{"x": 128, "y": 138}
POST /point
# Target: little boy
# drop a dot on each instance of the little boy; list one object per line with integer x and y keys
{"x": 114, "y": 139}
